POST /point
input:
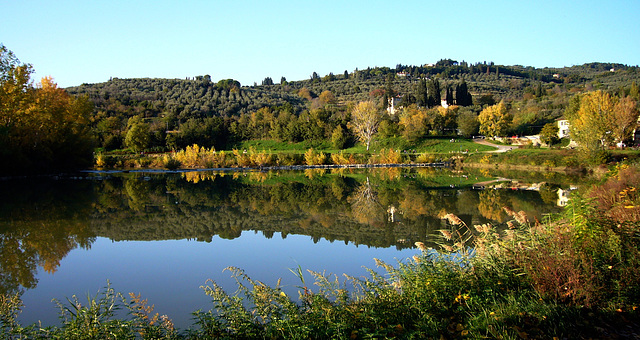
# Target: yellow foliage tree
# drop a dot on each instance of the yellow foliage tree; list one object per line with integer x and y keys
{"x": 599, "y": 119}
{"x": 364, "y": 121}
{"x": 494, "y": 120}
{"x": 414, "y": 122}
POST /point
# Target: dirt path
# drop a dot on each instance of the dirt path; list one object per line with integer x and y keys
{"x": 501, "y": 148}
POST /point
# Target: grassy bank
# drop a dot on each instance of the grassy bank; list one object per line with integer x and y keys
{"x": 575, "y": 276}
{"x": 542, "y": 159}
{"x": 264, "y": 153}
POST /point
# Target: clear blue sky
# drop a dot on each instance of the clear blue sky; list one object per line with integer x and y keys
{"x": 89, "y": 41}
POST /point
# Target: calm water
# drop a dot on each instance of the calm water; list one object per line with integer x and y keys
{"x": 164, "y": 235}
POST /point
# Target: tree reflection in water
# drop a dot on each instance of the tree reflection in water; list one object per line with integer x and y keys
{"x": 41, "y": 221}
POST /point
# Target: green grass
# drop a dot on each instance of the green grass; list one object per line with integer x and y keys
{"x": 533, "y": 156}
{"x": 428, "y": 145}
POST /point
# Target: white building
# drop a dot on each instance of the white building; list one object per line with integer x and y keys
{"x": 393, "y": 105}
{"x": 563, "y": 128}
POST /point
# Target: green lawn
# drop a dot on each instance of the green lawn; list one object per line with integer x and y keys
{"x": 430, "y": 145}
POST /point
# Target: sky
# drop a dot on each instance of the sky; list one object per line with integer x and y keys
{"x": 91, "y": 41}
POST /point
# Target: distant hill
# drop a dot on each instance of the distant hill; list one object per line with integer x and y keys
{"x": 200, "y": 97}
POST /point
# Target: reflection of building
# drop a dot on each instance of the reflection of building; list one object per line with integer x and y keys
{"x": 392, "y": 211}
{"x": 563, "y": 196}
{"x": 563, "y": 128}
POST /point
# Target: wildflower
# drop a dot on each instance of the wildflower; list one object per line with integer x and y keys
{"x": 166, "y": 323}
{"x": 521, "y": 217}
{"x": 421, "y": 246}
{"x": 453, "y": 219}
{"x": 446, "y": 234}
{"x": 508, "y": 211}
{"x": 484, "y": 228}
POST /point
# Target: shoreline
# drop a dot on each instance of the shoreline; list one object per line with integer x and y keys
{"x": 279, "y": 167}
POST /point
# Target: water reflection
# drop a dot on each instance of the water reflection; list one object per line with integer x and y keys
{"x": 42, "y": 221}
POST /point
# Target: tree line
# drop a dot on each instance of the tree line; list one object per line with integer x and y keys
{"x": 448, "y": 98}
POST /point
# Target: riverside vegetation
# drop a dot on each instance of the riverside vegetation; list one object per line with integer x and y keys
{"x": 573, "y": 275}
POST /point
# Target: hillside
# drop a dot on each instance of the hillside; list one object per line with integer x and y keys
{"x": 200, "y": 97}
{"x": 180, "y": 112}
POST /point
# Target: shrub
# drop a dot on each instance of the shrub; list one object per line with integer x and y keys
{"x": 288, "y": 159}
{"x": 171, "y": 163}
{"x": 425, "y": 158}
{"x": 195, "y": 156}
{"x": 312, "y": 157}
{"x": 342, "y": 159}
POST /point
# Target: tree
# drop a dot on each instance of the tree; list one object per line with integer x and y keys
{"x": 327, "y": 98}
{"x": 625, "y": 114}
{"x": 414, "y": 122}
{"x": 463, "y": 97}
{"x": 422, "y": 93}
{"x": 598, "y": 119}
{"x": 449, "y": 95}
{"x": 433, "y": 93}
{"x": 42, "y": 128}
{"x": 549, "y": 134}
{"x": 494, "y": 120}
{"x": 364, "y": 121}
{"x": 137, "y": 137}
{"x": 338, "y": 138}
{"x": 468, "y": 124}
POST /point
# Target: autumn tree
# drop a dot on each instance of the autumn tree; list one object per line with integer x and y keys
{"x": 42, "y": 128}
{"x": 598, "y": 119}
{"x": 625, "y": 114}
{"x": 327, "y": 98}
{"x": 494, "y": 120}
{"x": 365, "y": 118}
{"x": 414, "y": 122}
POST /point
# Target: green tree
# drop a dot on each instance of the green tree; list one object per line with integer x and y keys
{"x": 433, "y": 93}
{"x": 549, "y": 134}
{"x": 463, "y": 97}
{"x": 365, "y": 118}
{"x": 338, "y": 138}
{"x": 494, "y": 120}
{"x": 137, "y": 138}
{"x": 468, "y": 124}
